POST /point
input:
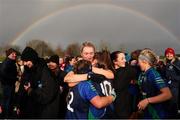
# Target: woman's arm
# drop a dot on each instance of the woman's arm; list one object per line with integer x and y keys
{"x": 165, "y": 95}
{"x": 73, "y": 79}
{"x": 0, "y": 109}
{"x": 107, "y": 73}
{"x": 100, "y": 102}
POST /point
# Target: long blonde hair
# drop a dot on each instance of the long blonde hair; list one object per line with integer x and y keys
{"x": 149, "y": 56}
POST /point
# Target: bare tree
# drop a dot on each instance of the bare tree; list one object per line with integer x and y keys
{"x": 73, "y": 49}
{"x": 104, "y": 45}
{"x": 6, "y": 47}
{"x": 1, "y": 51}
{"x": 122, "y": 47}
{"x": 42, "y": 48}
{"x": 59, "y": 51}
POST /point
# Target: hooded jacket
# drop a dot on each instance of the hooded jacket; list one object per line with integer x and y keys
{"x": 42, "y": 98}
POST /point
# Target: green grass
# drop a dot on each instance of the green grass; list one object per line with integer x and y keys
{"x": 2, "y": 58}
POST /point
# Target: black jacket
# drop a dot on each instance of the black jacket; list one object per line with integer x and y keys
{"x": 8, "y": 72}
{"x": 59, "y": 76}
{"x": 122, "y": 103}
{"x": 43, "y": 99}
{"x": 173, "y": 73}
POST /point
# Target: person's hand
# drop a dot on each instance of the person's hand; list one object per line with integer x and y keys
{"x": 143, "y": 104}
{"x": 27, "y": 86}
{"x": 90, "y": 75}
{"x": 0, "y": 109}
{"x": 113, "y": 93}
{"x": 133, "y": 82}
{"x": 18, "y": 111}
{"x": 61, "y": 89}
{"x": 133, "y": 62}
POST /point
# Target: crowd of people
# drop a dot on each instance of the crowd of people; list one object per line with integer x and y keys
{"x": 93, "y": 85}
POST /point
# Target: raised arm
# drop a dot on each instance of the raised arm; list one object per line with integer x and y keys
{"x": 73, "y": 79}
{"x": 107, "y": 73}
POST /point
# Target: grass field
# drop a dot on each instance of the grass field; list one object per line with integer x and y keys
{"x": 2, "y": 58}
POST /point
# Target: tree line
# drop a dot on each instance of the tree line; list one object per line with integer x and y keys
{"x": 45, "y": 49}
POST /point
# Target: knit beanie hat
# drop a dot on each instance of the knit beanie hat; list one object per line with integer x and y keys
{"x": 29, "y": 54}
{"x": 9, "y": 51}
{"x": 54, "y": 58}
{"x": 170, "y": 50}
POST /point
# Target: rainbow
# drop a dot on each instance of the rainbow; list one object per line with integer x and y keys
{"x": 134, "y": 12}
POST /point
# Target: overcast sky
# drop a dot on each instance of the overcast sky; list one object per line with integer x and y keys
{"x": 132, "y": 24}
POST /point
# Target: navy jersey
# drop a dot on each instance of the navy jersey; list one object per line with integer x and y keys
{"x": 150, "y": 83}
{"x": 104, "y": 88}
{"x": 78, "y": 102}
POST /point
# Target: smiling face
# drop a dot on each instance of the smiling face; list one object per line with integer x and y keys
{"x": 29, "y": 64}
{"x": 169, "y": 56}
{"x": 12, "y": 56}
{"x": 88, "y": 53}
{"x": 120, "y": 61}
{"x": 52, "y": 65}
{"x": 72, "y": 62}
{"x": 61, "y": 61}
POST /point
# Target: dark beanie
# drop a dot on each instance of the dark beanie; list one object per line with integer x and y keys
{"x": 29, "y": 54}
{"x": 54, "y": 58}
{"x": 9, "y": 51}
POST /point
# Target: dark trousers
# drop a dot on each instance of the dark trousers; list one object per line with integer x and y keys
{"x": 178, "y": 98}
{"x": 7, "y": 97}
{"x": 172, "y": 105}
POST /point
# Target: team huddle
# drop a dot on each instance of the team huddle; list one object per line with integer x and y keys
{"x": 95, "y": 85}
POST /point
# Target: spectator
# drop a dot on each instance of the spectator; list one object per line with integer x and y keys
{"x": 172, "y": 75}
{"x": 41, "y": 88}
{"x": 78, "y": 58}
{"x": 8, "y": 73}
{"x": 69, "y": 63}
{"x": 58, "y": 74}
{"x": 61, "y": 63}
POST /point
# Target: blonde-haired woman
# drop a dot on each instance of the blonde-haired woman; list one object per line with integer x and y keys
{"x": 153, "y": 88}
